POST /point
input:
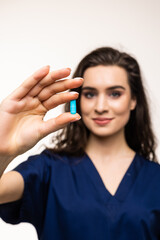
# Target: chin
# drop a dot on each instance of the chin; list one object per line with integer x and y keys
{"x": 101, "y": 133}
{"x": 106, "y": 133}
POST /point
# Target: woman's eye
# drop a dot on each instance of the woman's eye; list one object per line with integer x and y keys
{"x": 89, "y": 94}
{"x": 115, "y": 94}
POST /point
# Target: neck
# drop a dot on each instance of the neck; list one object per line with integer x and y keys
{"x": 108, "y": 147}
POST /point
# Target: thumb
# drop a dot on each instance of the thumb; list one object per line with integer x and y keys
{"x": 57, "y": 123}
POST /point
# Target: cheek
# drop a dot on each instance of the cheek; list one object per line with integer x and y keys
{"x": 121, "y": 107}
{"x": 86, "y": 106}
{"x": 121, "y": 112}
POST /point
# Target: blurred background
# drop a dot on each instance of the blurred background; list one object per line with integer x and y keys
{"x": 34, "y": 33}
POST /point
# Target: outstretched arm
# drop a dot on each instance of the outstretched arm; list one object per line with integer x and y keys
{"x": 22, "y": 114}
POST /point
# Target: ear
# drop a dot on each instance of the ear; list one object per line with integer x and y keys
{"x": 133, "y": 104}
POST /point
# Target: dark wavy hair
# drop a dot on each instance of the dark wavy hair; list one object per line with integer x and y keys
{"x": 138, "y": 131}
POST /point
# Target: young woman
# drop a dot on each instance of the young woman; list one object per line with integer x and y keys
{"x": 101, "y": 179}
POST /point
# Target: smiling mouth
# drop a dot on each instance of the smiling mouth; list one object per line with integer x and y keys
{"x": 102, "y": 121}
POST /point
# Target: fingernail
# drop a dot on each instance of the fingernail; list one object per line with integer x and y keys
{"x": 76, "y": 119}
{"x": 78, "y": 78}
{"x": 73, "y": 92}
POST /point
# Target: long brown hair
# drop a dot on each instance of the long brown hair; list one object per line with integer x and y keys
{"x": 138, "y": 131}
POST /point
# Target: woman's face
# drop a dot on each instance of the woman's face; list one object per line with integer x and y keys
{"x": 106, "y": 100}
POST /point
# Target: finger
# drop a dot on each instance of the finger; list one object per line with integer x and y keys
{"x": 59, "y": 86}
{"x": 57, "y": 123}
{"x": 58, "y": 99}
{"x": 49, "y": 79}
{"x": 29, "y": 83}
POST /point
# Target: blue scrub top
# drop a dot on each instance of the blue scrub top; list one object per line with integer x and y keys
{"x": 66, "y": 199}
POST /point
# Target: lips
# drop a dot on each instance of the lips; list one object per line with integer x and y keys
{"x": 102, "y": 121}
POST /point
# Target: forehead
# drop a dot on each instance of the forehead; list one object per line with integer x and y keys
{"x": 105, "y": 76}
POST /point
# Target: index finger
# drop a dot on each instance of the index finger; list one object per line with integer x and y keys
{"x": 49, "y": 79}
{"x": 35, "y": 79}
{"x": 29, "y": 83}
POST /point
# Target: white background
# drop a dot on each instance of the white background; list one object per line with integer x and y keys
{"x": 34, "y": 33}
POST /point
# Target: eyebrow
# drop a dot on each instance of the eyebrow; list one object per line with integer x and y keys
{"x": 110, "y": 88}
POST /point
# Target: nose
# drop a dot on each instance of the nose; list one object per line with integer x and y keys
{"x": 101, "y": 104}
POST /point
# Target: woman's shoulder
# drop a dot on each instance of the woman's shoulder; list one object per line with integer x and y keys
{"x": 60, "y": 158}
{"x": 48, "y": 159}
{"x": 45, "y": 163}
{"x": 150, "y": 167}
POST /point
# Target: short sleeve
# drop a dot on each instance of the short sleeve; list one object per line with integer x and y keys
{"x": 31, "y": 207}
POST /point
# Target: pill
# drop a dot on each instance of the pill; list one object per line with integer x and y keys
{"x": 73, "y": 106}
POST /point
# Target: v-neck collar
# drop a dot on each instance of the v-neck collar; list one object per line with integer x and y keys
{"x": 125, "y": 184}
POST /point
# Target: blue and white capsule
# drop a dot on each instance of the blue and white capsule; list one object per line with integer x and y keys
{"x": 73, "y": 108}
